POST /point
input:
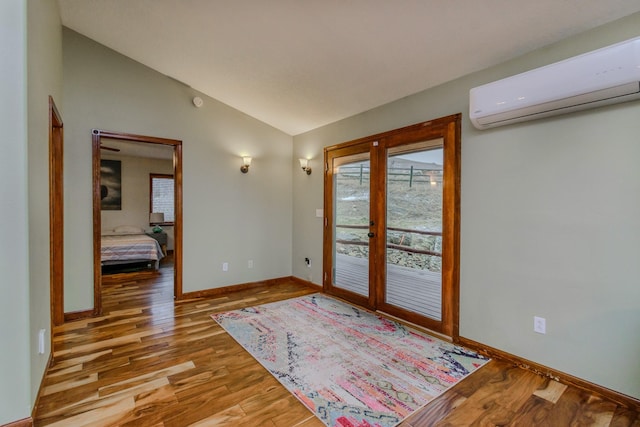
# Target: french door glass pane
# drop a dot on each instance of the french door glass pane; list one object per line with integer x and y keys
{"x": 414, "y": 228}
{"x": 351, "y": 179}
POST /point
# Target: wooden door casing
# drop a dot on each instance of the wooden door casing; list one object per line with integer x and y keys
{"x": 445, "y": 128}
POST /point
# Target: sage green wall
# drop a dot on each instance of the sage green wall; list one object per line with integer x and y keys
{"x": 228, "y": 216}
{"x": 550, "y": 220}
{"x": 30, "y": 33}
{"x": 44, "y": 79}
{"x": 14, "y": 245}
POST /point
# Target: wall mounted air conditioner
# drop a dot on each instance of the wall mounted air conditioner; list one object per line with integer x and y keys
{"x": 604, "y": 76}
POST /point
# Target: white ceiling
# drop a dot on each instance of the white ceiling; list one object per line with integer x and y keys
{"x": 301, "y": 64}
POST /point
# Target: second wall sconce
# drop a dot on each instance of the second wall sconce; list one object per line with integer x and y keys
{"x": 246, "y": 162}
{"x": 304, "y": 164}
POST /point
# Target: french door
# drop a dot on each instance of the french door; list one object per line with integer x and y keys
{"x": 391, "y": 240}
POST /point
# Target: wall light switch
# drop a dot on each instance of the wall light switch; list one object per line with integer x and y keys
{"x": 539, "y": 325}
{"x": 319, "y": 213}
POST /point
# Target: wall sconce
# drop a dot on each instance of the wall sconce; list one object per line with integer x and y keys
{"x": 304, "y": 164}
{"x": 246, "y": 162}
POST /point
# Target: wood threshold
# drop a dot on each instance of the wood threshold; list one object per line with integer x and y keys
{"x": 545, "y": 371}
{"x": 136, "y": 275}
{"x": 77, "y": 315}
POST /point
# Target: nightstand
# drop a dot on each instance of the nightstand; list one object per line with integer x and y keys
{"x": 162, "y": 240}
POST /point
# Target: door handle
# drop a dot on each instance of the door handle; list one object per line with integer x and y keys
{"x": 370, "y": 234}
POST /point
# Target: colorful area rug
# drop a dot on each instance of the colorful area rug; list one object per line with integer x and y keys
{"x": 350, "y": 367}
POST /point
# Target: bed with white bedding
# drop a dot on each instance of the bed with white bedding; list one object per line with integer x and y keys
{"x": 130, "y": 247}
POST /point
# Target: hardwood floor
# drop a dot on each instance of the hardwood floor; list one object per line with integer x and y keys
{"x": 151, "y": 362}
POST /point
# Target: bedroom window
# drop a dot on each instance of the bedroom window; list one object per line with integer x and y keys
{"x": 161, "y": 196}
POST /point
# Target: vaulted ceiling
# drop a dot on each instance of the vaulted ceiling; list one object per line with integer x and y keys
{"x": 301, "y": 64}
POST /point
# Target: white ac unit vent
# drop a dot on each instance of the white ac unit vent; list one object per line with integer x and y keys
{"x": 604, "y": 76}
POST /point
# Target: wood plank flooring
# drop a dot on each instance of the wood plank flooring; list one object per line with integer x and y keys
{"x": 151, "y": 362}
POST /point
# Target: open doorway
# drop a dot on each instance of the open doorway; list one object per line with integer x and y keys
{"x": 144, "y": 157}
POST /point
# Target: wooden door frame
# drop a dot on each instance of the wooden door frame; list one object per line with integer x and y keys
{"x": 56, "y": 214}
{"x": 449, "y": 129}
{"x": 96, "y": 136}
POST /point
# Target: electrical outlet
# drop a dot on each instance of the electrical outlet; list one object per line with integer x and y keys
{"x": 539, "y": 325}
{"x": 250, "y": 263}
{"x": 308, "y": 262}
{"x": 225, "y": 266}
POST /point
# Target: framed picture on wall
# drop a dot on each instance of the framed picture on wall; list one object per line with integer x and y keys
{"x": 111, "y": 185}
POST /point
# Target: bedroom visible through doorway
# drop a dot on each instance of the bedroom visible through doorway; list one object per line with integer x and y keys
{"x": 132, "y": 238}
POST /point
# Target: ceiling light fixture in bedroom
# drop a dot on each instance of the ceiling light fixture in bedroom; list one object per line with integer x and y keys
{"x": 246, "y": 162}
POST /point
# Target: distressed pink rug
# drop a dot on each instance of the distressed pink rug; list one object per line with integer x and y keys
{"x": 350, "y": 367}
